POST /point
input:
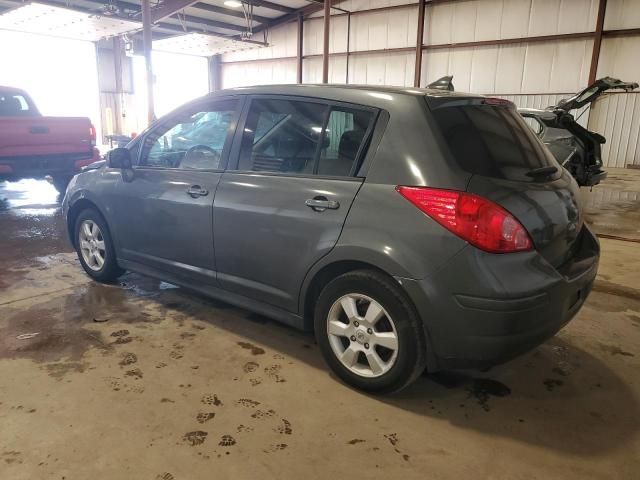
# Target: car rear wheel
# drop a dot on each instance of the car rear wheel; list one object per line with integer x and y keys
{"x": 369, "y": 333}
{"x": 95, "y": 247}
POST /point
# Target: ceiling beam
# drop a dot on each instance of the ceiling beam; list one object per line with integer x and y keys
{"x": 168, "y": 8}
{"x": 273, "y": 6}
{"x": 132, "y": 7}
{"x": 208, "y": 22}
{"x": 179, "y": 32}
{"x": 229, "y": 12}
{"x": 318, "y": 5}
{"x": 290, "y": 17}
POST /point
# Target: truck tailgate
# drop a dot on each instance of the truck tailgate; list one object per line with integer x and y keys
{"x": 33, "y": 136}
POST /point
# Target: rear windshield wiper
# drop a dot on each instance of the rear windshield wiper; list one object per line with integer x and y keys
{"x": 542, "y": 172}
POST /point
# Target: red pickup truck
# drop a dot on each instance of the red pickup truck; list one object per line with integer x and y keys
{"x": 35, "y": 146}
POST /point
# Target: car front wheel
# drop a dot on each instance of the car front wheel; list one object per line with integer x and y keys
{"x": 95, "y": 247}
{"x": 369, "y": 333}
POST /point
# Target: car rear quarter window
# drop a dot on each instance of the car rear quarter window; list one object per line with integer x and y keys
{"x": 491, "y": 140}
{"x": 345, "y": 135}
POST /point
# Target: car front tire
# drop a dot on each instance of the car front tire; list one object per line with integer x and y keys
{"x": 94, "y": 247}
{"x": 369, "y": 332}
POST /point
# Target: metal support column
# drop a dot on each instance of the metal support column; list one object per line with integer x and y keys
{"x": 325, "y": 49}
{"x": 597, "y": 41}
{"x": 346, "y": 80}
{"x": 117, "y": 67}
{"x": 300, "y": 45}
{"x": 419, "y": 42}
{"x": 215, "y": 73}
{"x": 147, "y": 45}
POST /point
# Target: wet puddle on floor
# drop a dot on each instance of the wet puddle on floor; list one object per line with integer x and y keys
{"x": 62, "y": 327}
{"x": 613, "y": 212}
{"x": 66, "y": 326}
{"x": 31, "y": 223}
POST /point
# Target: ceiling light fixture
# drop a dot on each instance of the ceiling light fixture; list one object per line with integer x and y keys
{"x": 202, "y": 45}
{"x": 233, "y": 3}
{"x": 45, "y": 19}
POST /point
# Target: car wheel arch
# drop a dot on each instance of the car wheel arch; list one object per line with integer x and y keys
{"x": 322, "y": 277}
{"x": 75, "y": 209}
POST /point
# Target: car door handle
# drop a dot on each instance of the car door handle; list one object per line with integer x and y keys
{"x": 39, "y": 129}
{"x": 320, "y": 204}
{"x": 197, "y": 191}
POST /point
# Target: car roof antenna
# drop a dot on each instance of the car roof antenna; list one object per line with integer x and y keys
{"x": 443, "y": 83}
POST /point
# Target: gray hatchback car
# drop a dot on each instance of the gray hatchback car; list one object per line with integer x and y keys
{"x": 408, "y": 228}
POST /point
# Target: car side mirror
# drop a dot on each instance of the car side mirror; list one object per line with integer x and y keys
{"x": 119, "y": 158}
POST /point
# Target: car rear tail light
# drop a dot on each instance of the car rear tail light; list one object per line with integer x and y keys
{"x": 92, "y": 134}
{"x": 475, "y": 219}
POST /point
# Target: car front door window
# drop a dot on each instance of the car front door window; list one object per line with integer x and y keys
{"x": 192, "y": 140}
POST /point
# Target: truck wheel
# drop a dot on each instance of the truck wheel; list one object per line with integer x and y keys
{"x": 369, "y": 332}
{"x": 60, "y": 183}
{"x": 95, "y": 248}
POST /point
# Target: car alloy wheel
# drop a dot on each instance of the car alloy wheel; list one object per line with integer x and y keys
{"x": 92, "y": 247}
{"x": 362, "y": 335}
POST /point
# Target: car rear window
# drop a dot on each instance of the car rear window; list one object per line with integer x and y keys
{"x": 14, "y": 104}
{"x": 492, "y": 141}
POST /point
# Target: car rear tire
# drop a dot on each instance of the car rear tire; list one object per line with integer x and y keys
{"x": 94, "y": 247}
{"x": 369, "y": 333}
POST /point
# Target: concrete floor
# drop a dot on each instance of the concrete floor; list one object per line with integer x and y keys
{"x": 143, "y": 380}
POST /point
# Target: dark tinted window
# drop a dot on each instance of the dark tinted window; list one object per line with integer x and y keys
{"x": 192, "y": 139}
{"x": 345, "y": 133}
{"x": 14, "y": 105}
{"x": 492, "y": 141}
{"x": 282, "y": 136}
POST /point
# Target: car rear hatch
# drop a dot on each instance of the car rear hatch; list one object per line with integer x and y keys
{"x": 593, "y": 91}
{"x": 510, "y": 166}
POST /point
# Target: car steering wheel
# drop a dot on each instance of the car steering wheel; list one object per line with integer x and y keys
{"x": 199, "y": 147}
{"x": 202, "y": 149}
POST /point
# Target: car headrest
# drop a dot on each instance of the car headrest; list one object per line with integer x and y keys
{"x": 350, "y": 143}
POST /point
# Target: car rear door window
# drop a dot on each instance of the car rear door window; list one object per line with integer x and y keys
{"x": 282, "y": 136}
{"x": 305, "y": 138}
{"x": 344, "y": 136}
{"x": 191, "y": 140}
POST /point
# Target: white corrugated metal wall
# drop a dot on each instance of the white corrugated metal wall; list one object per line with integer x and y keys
{"x": 531, "y": 73}
{"x": 617, "y": 116}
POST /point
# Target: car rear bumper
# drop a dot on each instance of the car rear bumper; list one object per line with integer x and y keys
{"x": 484, "y": 309}
{"x": 68, "y": 164}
